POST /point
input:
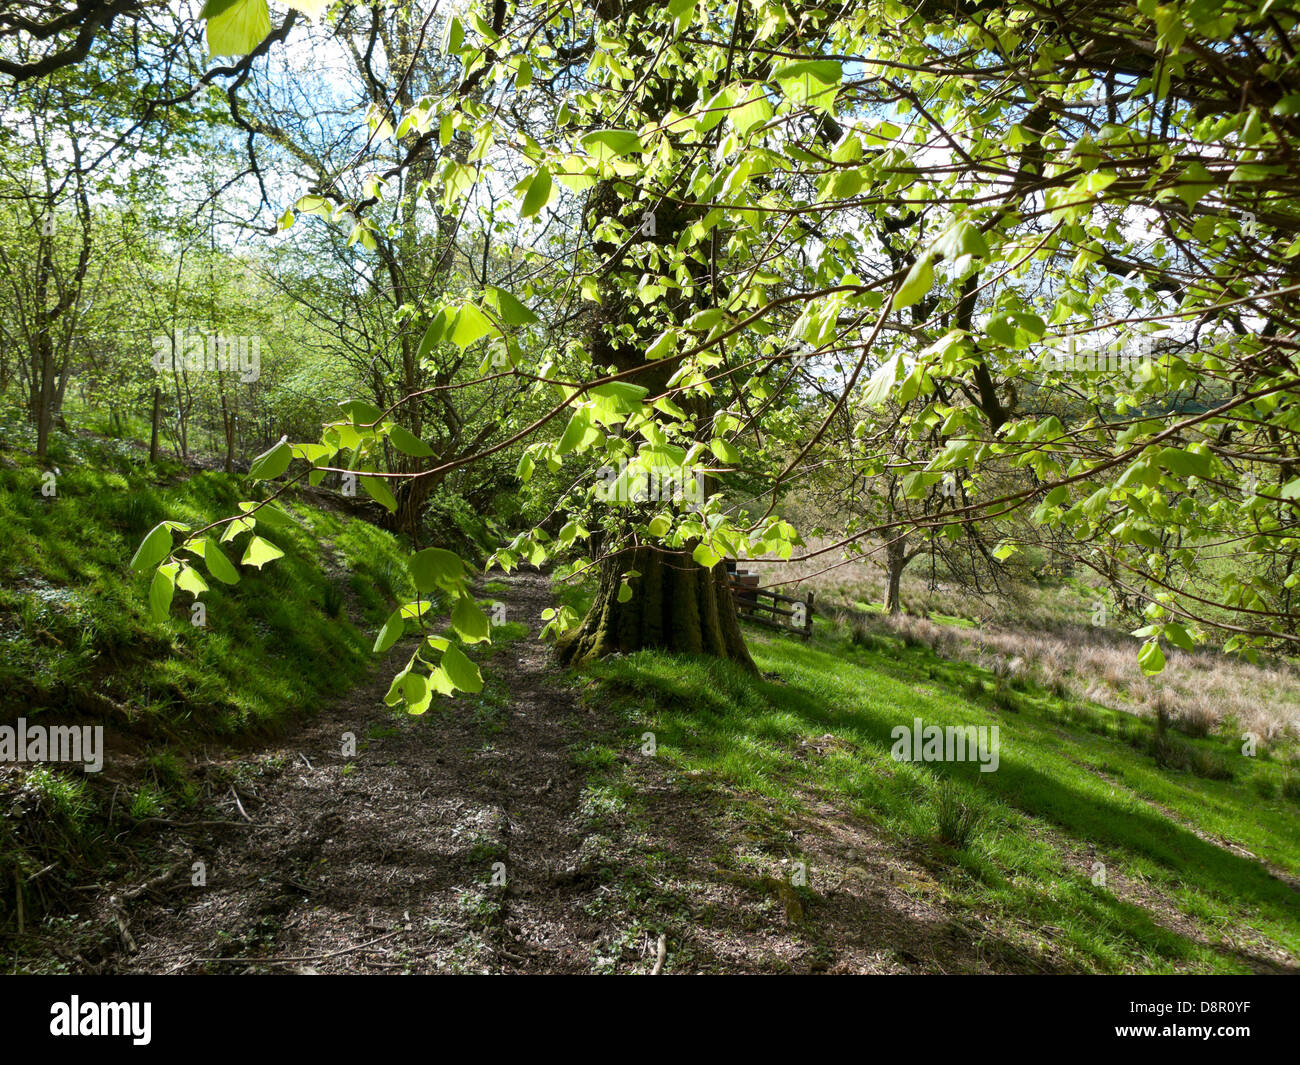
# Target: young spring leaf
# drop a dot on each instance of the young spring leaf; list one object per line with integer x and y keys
{"x": 919, "y": 281}
{"x": 236, "y": 27}
{"x": 434, "y": 568}
{"x": 156, "y": 546}
{"x": 161, "y": 590}
{"x": 470, "y": 623}
{"x": 378, "y": 491}
{"x": 390, "y": 633}
{"x": 362, "y": 412}
{"x": 461, "y": 671}
{"x": 538, "y": 194}
{"x": 512, "y": 310}
{"x": 259, "y": 552}
{"x": 408, "y": 443}
{"x": 1151, "y": 658}
{"x": 218, "y": 565}
{"x": 271, "y": 463}
{"x": 189, "y": 580}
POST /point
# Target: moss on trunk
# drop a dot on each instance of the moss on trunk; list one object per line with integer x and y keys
{"x": 676, "y": 605}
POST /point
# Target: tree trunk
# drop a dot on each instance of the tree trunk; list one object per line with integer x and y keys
{"x": 897, "y": 558}
{"x": 676, "y": 605}
{"x": 45, "y": 409}
{"x": 228, "y": 427}
{"x": 153, "y": 427}
{"x": 411, "y": 497}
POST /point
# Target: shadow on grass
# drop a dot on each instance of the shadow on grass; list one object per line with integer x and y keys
{"x": 743, "y": 731}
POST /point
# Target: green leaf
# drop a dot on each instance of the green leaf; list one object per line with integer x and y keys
{"x": 418, "y": 691}
{"x": 919, "y": 281}
{"x": 538, "y": 193}
{"x": 237, "y": 27}
{"x": 607, "y": 144}
{"x": 433, "y": 334}
{"x": 1179, "y": 636}
{"x": 361, "y": 412}
{"x": 706, "y": 556}
{"x": 313, "y": 9}
{"x": 471, "y": 325}
{"x": 408, "y": 443}
{"x": 575, "y": 432}
{"x": 191, "y": 581}
{"x": 390, "y": 633}
{"x": 156, "y": 546}
{"x": 470, "y": 623}
{"x": 754, "y": 111}
{"x": 881, "y": 384}
{"x": 271, "y": 463}
{"x": 664, "y": 345}
{"x": 269, "y": 514}
{"x": 460, "y": 670}
{"x": 218, "y": 565}
{"x": 435, "y": 568}
{"x": 1184, "y": 463}
{"x": 725, "y": 451}
{"x": 626, "y": 397}
{"x": 377, "y": 489}
{"x": 161, "y": 590}
{"x": 259, "y": 552}
{"x": 811, "y": 81}
{"x": 1151, "y": 658}
{"x": 513, "y": 312}
{"x": 453, "y": 36}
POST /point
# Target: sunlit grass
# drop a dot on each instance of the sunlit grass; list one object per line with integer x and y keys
{"x": 1072, "y": 778}
{"x": 74, "y": 626}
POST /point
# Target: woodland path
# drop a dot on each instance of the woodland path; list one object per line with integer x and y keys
{"x": 384, "y": 862}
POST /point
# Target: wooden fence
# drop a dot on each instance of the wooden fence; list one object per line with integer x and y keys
{"x": 763, "y": 606}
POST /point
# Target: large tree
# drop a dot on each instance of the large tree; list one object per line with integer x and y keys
{"x": 1059, "y": 237}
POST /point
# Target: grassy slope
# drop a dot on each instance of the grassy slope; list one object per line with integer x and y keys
{"x": 1072, "y": 777}
{"x": 74, "y": 626}
{"x": 77, "y": 644}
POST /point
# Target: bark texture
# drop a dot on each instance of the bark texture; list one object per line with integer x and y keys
{"x": 676, "y": 605}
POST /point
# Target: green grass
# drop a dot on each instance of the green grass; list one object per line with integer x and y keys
{"x": 75, "y": 636}
{"x": 1071, "y": 777}
{"x": 77, "y": 644}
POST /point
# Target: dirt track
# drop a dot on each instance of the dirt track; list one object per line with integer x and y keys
{"x": 384, "y": 862}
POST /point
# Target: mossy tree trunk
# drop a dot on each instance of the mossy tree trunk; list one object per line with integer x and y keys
{"x": 676, "y": 604}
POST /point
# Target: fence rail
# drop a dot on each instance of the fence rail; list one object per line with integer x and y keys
{"x": 764, "y": 606}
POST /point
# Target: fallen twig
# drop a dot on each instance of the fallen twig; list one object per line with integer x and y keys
{"x": 304, "y": 957}
{"x": 243, "y": 813}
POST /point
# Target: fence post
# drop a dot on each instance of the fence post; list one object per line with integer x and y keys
{"x": 808, "y": 616}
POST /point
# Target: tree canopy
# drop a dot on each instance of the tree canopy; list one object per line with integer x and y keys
{"x": 1011, "y": 275}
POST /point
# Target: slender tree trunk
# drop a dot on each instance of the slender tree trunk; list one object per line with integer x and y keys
{"x": 45, "y": 408}
{"x": 228, "y": 427}
{"x": 153, "y": 428}
{"x": 897, "y": 558}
